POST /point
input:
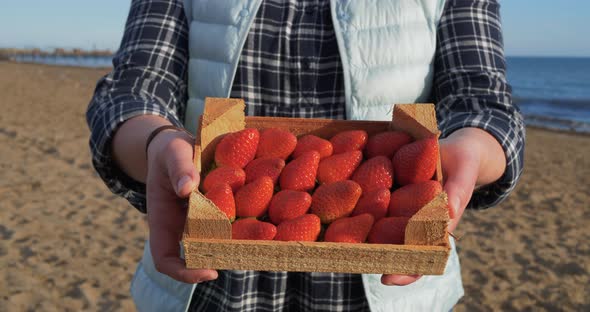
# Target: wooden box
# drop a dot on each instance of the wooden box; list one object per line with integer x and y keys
{"x": 207, "y": 234}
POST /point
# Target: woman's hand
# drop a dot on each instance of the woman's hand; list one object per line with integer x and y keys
{"x": 170, "y": 176}
{"x": 470, "y": 157}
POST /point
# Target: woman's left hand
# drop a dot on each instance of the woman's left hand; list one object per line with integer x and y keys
{"x": 470, "y": 157}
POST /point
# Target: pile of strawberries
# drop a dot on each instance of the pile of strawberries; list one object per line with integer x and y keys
{"x": 339, "y": 190}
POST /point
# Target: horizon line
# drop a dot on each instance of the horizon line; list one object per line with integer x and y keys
{"x": 49, "y": 49}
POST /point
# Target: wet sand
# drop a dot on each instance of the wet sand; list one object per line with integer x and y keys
{"x": 67, "y": 243}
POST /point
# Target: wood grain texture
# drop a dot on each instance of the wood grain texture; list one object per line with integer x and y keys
{"x": 207, "y": 235}
{"x": 419, "y": 120}
{"x": 429, "y": 225}
{"x": 205, "y": 220}
{"x": 315, "y": 257}
{"x": 324, "y": 128}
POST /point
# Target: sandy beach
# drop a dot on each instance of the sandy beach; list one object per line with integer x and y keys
{"x": 68, "y": 244}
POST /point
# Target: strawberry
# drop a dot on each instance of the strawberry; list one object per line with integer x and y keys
{"x": 235, "y": 177}
{"x": 313, "y": 143}
{"x": 300, "y": 173}
{"x": 416, "y": 162}
{"x": 407, "y": 200}
{"x": 374, "y": 202}
{"x": 237, "y": 149}
{"x": 352, "y": 140}
{"x": 375, "y": 173}
{"x": 335, "y": 200}
{"x": 250, "y": 228}
{"x": 276, "y": 143}
{"x": 288, "y": 204}
{"x": 339, "y": 167}
{"x": 253, "y": 198}
{"x": 389, "y": 231}
{"x": 270, "y": 167}
{"x": 386, "y": 143}
{"x": 350, "y": 230}
{"x": 221, "y": 195}
{"x": 303, "y": 228}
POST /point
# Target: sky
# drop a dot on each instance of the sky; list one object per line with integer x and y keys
{"x": 531, "y": 27}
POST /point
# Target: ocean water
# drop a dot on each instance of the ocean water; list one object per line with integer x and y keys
{"x": 80, "y": 61}
{"x": 551, "y": 92}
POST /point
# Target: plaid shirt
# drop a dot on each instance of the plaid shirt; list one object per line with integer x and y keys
{"x": 290, "y": 66}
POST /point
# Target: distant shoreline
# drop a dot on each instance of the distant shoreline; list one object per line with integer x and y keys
{"x": 13, "y": 52}
{"x": 56, "y": 65}
{"x": 547, "y": 57}
{"x": 88, "y": 60}
{"x": 107, "y": 52}
{"x": 7, "y": 52}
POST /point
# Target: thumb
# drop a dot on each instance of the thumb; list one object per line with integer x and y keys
{"x": 459, "y": 187}
{"x": 181, "y": 170}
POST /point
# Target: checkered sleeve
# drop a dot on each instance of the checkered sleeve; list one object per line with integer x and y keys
{"x": 471, "y": 90}
{"x": 148, "y": 78}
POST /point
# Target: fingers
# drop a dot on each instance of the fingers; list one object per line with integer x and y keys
{"x": 176, "y": 268}
{"x": 166, "y": 224}
{"x": 399, "y": 280}
{"x": 459, "y": 185}
{"x": 181, "y": 170}
{"x": 171, "y": 175}
{"x": 166, "y": 255}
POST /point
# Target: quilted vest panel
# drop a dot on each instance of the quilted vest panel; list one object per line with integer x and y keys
{"x": 386, "y": 46}
{"x": 217, "y": 32}
{"x": 387, "y": 49}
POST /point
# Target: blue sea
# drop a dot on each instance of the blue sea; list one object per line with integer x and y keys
{"x": 80, "y": 61}
{"x": 551, "y": 92}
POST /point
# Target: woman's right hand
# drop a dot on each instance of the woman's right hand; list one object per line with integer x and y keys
{"x": 171, "y": 177}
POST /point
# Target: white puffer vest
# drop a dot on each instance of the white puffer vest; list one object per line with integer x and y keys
{"x": 387, "y": 49}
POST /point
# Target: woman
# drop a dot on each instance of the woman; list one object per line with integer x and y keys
{"x": 311, "y": 58}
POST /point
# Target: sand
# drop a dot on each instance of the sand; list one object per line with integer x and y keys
{"x": 68, "y": 244}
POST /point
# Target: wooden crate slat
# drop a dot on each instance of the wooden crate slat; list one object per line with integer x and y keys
{"x": 315, "y": 257}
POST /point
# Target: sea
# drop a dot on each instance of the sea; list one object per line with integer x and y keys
{"x": 551, "y": 92}
{"x": 70, "y": 60}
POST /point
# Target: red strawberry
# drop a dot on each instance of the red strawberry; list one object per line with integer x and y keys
{"x": 237, "y": 149}
{"x": 339, "y": 167}
{"x": 300, "y": 173}
{"x": 335, "y": 200}
{"x": 346, "y": 141}
{"x": 313, "y": 143}
{"x": 350, "y": 230}
{"x": 270, "y": 167}
{"x": 407, "y": 200}
{"x": 416, "y": 162}
{"x": 374, "y": 202}
{"x": 375, "y": 173}
{"x": 288, "y": 204}
{"x": 276, "y": 143}
{"x": 253, "y": 198}
{"x": 386, "y": 143}
{"x": 389, "y": 231}
{"x": 304, "y": 228}
{"x": 251, "y": 228}
{"x": 235, "y": 177}
{"x": 221, "y": 195}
